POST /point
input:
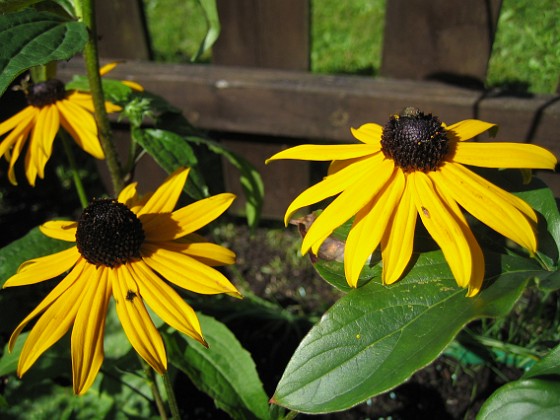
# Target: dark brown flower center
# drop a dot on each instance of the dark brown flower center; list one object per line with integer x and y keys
{"x": 46, "y": 93}
{"x": 416, "y": 142}
{"x": 109, "y": 233}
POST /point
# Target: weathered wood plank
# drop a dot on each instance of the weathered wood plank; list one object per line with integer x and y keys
{"x": 121, "y": 28}
{"x": 323, "y": 108}
{"x": 439, "y": 39}
{"x": 263, "y": 33}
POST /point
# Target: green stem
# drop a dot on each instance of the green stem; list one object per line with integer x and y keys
{"x": 74, "y": 169}
{"x": 103, "y": 125}
{"x": 154, "y": 388}
{"x": 291, "y": 415}
{"x": 171, "y": 400}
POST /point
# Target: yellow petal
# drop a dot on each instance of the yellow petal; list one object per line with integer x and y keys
{"x": 397, "y": 243}
{"x": 370, "y": 225}
{"x": 333, "y": 184}
{"x": 85, "y": 101}
{"x": 16, "y": 151}
{"x": 483, "y": 200}
{"x": 186, "y": 272}
{"x": 349, "y": 202}
{"x": 205, "y": 252}
{"x": 89, "y": 326}
{"x": 164, "y": 199}
{"x": 44, "y": 268}
{"x": 369, "y": 133}
{"x": 165, "y": 302}
{"x": 21, "y": 120}
{"x": 65, "y": 230}
{"x": 133, "y": 85}
{"x": 442, "y": 226}
{"x": 320, "y": 152}
{"x": 44, "y": 132}
{"x": 477, "y": 274}
{"x": 128, "y": 195}
{"x": 504, "y": 155}
{"x": 136, "y": 321}
{"x": 80, "y": 124}
{"x": 52, "y": 325}
{"x": 107, "y": 68}
{"x": 60, "y": 288}
{"x": 467, "y": 129}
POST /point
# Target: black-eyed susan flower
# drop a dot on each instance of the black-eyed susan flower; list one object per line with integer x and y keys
{"x": 50, "y": 106}
{"x": 124, "y": 248}
{"x": 415, "y": 165}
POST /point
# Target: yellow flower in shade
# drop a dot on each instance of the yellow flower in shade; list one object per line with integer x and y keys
{"x": 50, "y": 106}
{"x": 415, "y": 166}
{"x": 124, "y": 248}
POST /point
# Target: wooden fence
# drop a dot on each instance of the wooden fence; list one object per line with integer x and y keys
{"x": 260, "y": 96}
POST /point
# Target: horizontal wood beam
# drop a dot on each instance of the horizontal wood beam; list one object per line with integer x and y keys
{"x": 302, "y": 105}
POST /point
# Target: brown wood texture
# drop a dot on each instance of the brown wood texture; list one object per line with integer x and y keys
{"x": 439, "y": 39}
{"x": 264, "y": 34}
{"x": 121, "y": 29}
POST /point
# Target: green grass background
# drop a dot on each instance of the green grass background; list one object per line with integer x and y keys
{"x": 347, "y": 38}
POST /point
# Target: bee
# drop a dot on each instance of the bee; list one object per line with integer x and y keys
{"x": 130, "y": 295}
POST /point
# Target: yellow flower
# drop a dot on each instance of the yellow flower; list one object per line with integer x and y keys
{"x": 131, "y": 84}
{"x": 50, "y": 106}
{"x": 415, "y": 166}
{"x": 124, "y": 248}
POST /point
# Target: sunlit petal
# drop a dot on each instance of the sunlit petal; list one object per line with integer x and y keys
{"x": 65, "y": 230}
{"x": 504, "y": 155}
{"x": 89, "y": 326}
{"x": 165, "y": 302}
{"x": 467, "y": 129}
{"x": 442, "y": 226}
{"x": 136, "y": 321}
{"x": 80, "y": 124}
{"x": 42, "y": 137}
{"x": 370, "y": 225}
{"x": 397, "y": 243}
{"x": 349, "y": 202}
{"x": 16, "y": 151}
{"x": 206, "y": 252}
{"x": 333, "y": 184}
{"x": 164, "y": 199}
{"x": 19, "y": 120}
{"x": 44, "y": 268}
{"x": 319, "y": 152}
{"x": 477, "y": 196}
{"x": 186, "y": 220}
{"x": 369, "y": 133}
{"x": 52, "y": 325}
{"x": 60, "y": 288}
{"x": 185, "y": 271}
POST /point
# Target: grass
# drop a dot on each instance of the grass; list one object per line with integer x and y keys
{"x": 347, "y": 37}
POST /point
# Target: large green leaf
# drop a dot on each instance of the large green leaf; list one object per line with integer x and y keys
{"x": 172, "y": 151}
{"x": 377, "y": 336}
{"x": 524, "y": 399}
{"x": 225, "y": 370}
{"x": 32, "y": 245}
{"x": 30, "y": 38}
{"x": 548, "y": 365}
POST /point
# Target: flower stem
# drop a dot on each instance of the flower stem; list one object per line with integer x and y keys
{"x": 154, "y": 388}
{"x": 171, "y": 400}
{"x": 91, "y": 56}
{"x": 74, "y": 169}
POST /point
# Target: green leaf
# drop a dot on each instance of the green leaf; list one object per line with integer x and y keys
{"x": 524, "y": 399}
{"x": 32, "y": 245}
{"x": 225, "y": 370}
{"x": 31, "y": 38}
{"x": 213, "y": 20}
{"x": 548, "y": 365}
{"x": 9, "y": 360}
{"x": 172, "y": 151}
{"x": 114, "y": 90}
{"x": 377, "y": 336}
{"x": 250, "y": 179}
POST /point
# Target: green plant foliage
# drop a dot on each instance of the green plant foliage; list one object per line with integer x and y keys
{"x": 548, "y": 365}
{"x": 213, "y": 21}
{"x": 31, "y": 38}
{"x": 524, "y": 399}
{"x": 225, "y": 370}
{"x": 32, "y": 245}
{"x": 375, "y": 337}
